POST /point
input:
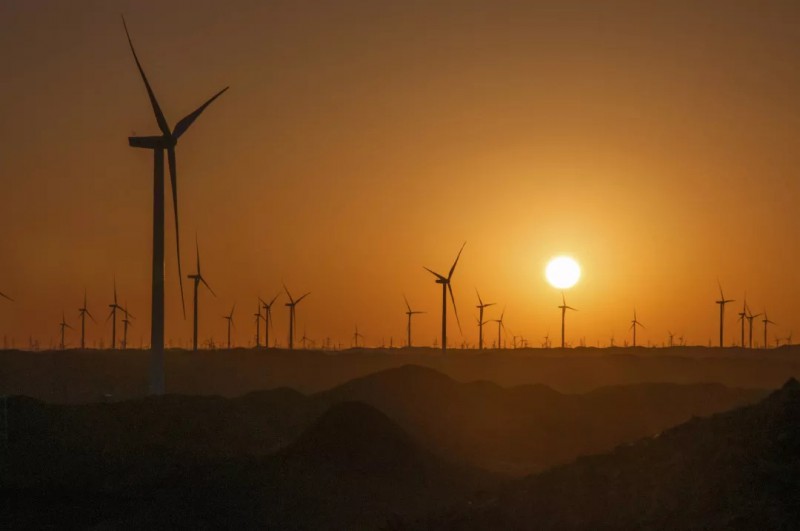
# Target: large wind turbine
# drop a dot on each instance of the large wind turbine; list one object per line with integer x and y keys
{"x": 229, "y": 318}
{"x": 766, "y": 322}
{"x": 197, "y": 278}
{"x": 722, "y": 302}
{"x": 500, "y": 328}
{"x": 481, "y": 305}
{"x": 750, "y": 318}
{"x": 291, "y": 305}
{"x": 446, "y": 286}
{"x": 113, "y": 316}
{"x": 258, "y": 317}
{"x": 409, "y": 313}
{"x": 84, "y": 311}
{"x": 126, "y": 322}
{"x": 166, "y": 141}
{"x": 564, "y": 309}
{"x": 634, "y": 324}
{"x": 63, "y": 324}
{"x": 743, "y": 316}
{"x": 268, "y": 318}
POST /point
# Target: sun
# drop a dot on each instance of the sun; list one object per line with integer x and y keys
{"x": 562, "y": 272}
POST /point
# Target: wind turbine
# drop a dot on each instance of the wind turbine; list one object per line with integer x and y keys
{"x": 63, "y": 324}
{"x": 750, "y": 318}
{"x": 722, "y": 302}
{"x": 84, "y": 311}
{"x": 126, "y": 322}
{"x": 500, "y": 328}
{"x": 445, "y": 282}
{"x": 258, "y": 317}
{"x": 634, "y": 324}
{"x": 766, "y": 322}
{"x": 564, "y": 309}
{"x": 671, "y": 338}
{"x": 158, "y": 143}
{"x": 197, "y": 278}
{"x": 291, "y": 305}
{"x": 481, "y": 305}
{"x": 229, "y": 318}
{"x": 356, "y": 335}
{"x": 743, "y": 316}
{"x": 268, "y": 318}
{"x": 409, "y": 313}
{"x": 113, "y": 316}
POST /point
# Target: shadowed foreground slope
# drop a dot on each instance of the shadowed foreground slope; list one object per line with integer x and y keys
{"x": 735, "y": 470}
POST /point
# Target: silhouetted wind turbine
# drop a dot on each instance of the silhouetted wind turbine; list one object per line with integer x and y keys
{"x": 750, "y": 323}
{"x": 500, "y": 328}
{"x": 564, "y": 309}
{"x": 722, "y": 302}
{"x": 113, "y": 316}
{"x": 166, "y": 141}
{"x": 356, "y": 335}
{"x": 766, "y": 322}
{"x": 197, "y": 278}
{"x": 126, "y": 322}
{"x": 671, "y": 337}
{"x": 258, "y": 317}
{"x": 481, "y": 305}
{"x": 634, "y": 324}
{"x": 84, "y": 311}
{"x": 409, "y": 313}
{"x": 291, "y": 305}
{"x": 63, "y": 324}
{"x": 268, "y": 318}
{"x": 229, "y": 318}
{"x": 445, "y": 282}
{"x": 743, "y": 316}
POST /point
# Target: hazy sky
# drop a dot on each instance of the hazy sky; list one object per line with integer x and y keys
{"x": 656, "y": 142}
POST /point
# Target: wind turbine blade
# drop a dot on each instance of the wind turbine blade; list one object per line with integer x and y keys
{"x": 303, "y": 297}
{"x": 450, "y": 274}
{"x": 110, "y": 314}
{"x": 115, "y": 291}
{"x": 288, "y": 294}
{"x": 274, "y": 298}
{"x": 407, "y": 305}
{"x": 480, "y": 302}
{"x": 6, "y": 296}
{"x": 440, "y": 277}
{"x": 197, "y": 248}
{"x": 162, "y": 122}
{"x": 184, "y": 124}
{"x": 209, "y": 287}
{"x": 90, "y": 316}
{"x": 173, "y": 177}
{"x": 455, "y": 310}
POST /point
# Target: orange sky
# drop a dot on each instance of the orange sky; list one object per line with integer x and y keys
{"x": 362, "y": 140}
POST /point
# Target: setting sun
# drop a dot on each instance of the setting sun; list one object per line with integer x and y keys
{"x": 562, "y": 272}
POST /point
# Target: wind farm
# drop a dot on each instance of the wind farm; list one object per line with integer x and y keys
{"x": 478, "y": 163}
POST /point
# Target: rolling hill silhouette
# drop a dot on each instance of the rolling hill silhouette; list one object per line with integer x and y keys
{"x": 734, "y": 470}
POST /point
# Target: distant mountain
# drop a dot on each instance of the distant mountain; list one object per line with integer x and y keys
{"x": 734, "y": 470}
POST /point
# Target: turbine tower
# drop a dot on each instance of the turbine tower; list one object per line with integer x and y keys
{"x": 84, "y": 311}
{"x": 446, "y": 286}
{"x": 722, "y": 302}
{"x": 500, "y": 328}
{"x": 564, "y": 309}
{"x": 113, "y": 316}
{"x": 167, "y": 140}
{"x": 229, "y": 318}
{"x": 743, "y": 316}
{"x": 481, "y": 305}
{"x": 750, "y": 318}
{"x": 634, "y": 324}
{"x": 258, "y": 317}
{"x": 268, "y": 318}
{"x": 291, "y": 305}
{"x": 63, "y": 324}
{"x": 126, "y": 322}
{"x": 409, "y": 313}
{"x": 197, "y": 278}
{"x": 766, "y": 322}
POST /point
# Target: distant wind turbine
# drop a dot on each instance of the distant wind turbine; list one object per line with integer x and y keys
{"x": 766, "y": 322}
{"x": 500, "y": 328}
{"x": 84, "y": 311}
{"x": 481, "y": 305}
{"x": 113, "y": 316}
{"x": 166, "y": 141}
{"x": 743, "y": 316}
{"x": 564, "y": 309}
{"x": 291, "y": 305}
{"x": 63, "y": 324}
{"x": 268, "y": 318}
{"x": 446, "y": 286}
{"x": 126, "y": 322}
{"x": 750, "y": 318}
{"x": 229, "y": 318}
{"x": 258, "y": 317}
{"x": 356, "y": 335}
{"x": 197, "y": 278}
{"x": 722, "y": 302}
{"x": 409, "y": 313}
{"x": 671, "y": 338}
{"x": 634, "y": 324}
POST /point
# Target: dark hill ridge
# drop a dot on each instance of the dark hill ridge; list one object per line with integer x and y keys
{"x": 735, "y": 470}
